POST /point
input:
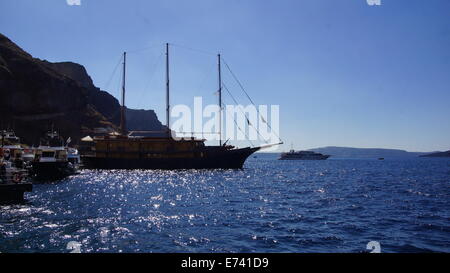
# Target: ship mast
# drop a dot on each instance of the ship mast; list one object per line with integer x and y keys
{"x": 167, "y": 91}
{"x": 220, "y": 100}
{"x": 122, "y": 108}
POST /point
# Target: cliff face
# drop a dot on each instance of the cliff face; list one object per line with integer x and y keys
{"x": 143, "y": 120}
{"x": 36, "y": 94}
{"x": 74, "y": 71}
{"x": 107, "y": 105}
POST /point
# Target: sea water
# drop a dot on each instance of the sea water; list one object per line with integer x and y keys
{"x": 337, "y": 205}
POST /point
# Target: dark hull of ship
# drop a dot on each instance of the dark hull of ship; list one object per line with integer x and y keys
{"x": 11, "y": 192}
{"x": 51, "y": 170}
{"x": 225, "y": 159}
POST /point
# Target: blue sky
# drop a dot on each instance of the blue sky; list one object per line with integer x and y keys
{"x": 344, "y": 73}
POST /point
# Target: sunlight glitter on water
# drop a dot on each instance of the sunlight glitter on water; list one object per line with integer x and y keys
{"x": 270, "y": 206}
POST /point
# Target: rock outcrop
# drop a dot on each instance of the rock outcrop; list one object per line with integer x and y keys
{"x": 107, "y": 105}
{"x": 36, "y": 95}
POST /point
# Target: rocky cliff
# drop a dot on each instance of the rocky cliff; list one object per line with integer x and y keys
{"x": 36, "y": 94}
{"x": 107, "y": 105}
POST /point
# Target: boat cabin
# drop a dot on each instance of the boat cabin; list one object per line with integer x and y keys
{"x": 50, "y": 154}
{"x": 145, "y": 147}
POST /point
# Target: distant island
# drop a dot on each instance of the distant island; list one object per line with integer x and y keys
{"x": 349, "y": 152}
{"x": 437, "y": 154}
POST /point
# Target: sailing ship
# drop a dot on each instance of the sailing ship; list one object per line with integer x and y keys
{"x": 159, "y": 150}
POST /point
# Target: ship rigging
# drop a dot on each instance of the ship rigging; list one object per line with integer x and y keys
{"x": 163, "y": 151}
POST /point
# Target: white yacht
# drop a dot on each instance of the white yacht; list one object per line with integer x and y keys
{"x": 303, "y": 155}
{"x": 51, "y": 159}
